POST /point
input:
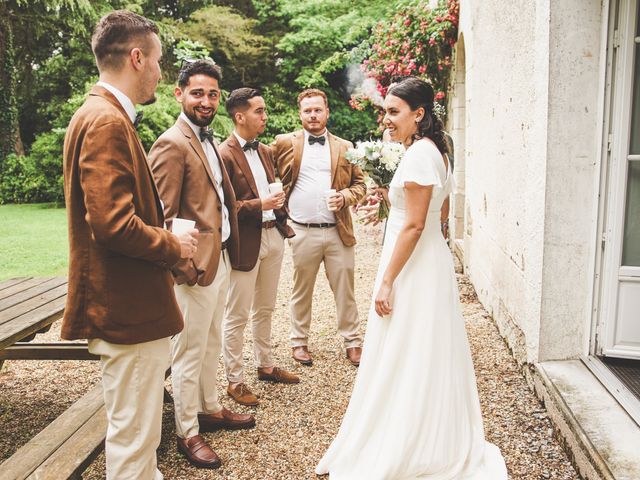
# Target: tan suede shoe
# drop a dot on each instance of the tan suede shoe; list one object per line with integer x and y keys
{"x": 241, "y": 394}
{"x": 278, "y": 375}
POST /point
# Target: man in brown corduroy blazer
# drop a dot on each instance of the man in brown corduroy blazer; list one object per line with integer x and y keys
{"x": 263, "y": 227}
{"x": 120, "y": 294}
{"x": 311, "y": 163}
{"x": 194, "y": 185}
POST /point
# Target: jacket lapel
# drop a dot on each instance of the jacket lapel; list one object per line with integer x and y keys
{"x": 263, "y": 153}
{"x": 334, "y": 148}
{"x": 243, "y": 163}
{"x": 194, "y": 141}
{"x": 297, "y": 141}
{"x": 227, "y": 187}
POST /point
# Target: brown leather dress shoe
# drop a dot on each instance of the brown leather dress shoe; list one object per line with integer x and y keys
{"x": 354, "y": 354}
{"x": 241, "y": 394}
{"x": 301, "y": 354}
{"x": 225, "y": 419}
{"x": 198, "y": 452}
{"x": 278, "y": 375}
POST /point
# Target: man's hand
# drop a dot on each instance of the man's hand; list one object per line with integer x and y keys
{"x": 335, "y": 202}
{"x": 273, "y": 201}
{"x": 188, "y": 243}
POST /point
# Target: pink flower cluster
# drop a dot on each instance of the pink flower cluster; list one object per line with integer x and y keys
{"x": 418, "y": 41}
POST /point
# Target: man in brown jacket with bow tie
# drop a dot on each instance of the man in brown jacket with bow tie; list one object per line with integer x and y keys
{"x": 263, "y": 227}
{"x": 194, "y": 185}
{"x": 120, "y": 293}
{"x": 320, "y": 185}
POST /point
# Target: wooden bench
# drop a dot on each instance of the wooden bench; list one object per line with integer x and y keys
{"x": 70, "y": 443}
{"x": 65, "y": 448}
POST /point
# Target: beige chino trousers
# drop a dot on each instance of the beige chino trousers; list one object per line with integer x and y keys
{"x": 133, "y": 384}
{"x": 196, "y": 350}
{"x": 252, "y": 297}
{"x": 311, "y": 247}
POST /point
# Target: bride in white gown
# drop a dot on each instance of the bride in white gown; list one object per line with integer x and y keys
{"x": 414, "y": 412}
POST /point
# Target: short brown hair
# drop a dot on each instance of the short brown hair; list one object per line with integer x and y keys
{"x": 238, "y": 100}
{"x": 114, "y": 35}
{"x": 313, "y": 92}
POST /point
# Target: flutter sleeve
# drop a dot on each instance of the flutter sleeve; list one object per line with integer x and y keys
{"x": 420, "y": 164}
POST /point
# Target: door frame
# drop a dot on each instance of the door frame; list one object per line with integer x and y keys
{"x": 619, "y": 80}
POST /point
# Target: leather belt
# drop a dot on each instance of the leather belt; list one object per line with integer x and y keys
{"x": 269, "y": 224}
{"x": 314, "y": 225}
{"x": 223, "y": 245}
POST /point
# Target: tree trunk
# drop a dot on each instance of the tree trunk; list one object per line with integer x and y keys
{"x": 8, "y": 108}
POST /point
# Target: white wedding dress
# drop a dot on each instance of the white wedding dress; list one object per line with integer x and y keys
{"x": 414, "y": 412}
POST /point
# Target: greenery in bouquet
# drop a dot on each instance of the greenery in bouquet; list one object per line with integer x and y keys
{"x": 379, "y": 161}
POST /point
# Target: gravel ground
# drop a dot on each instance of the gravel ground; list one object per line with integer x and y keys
{"x": 296, "y": 423}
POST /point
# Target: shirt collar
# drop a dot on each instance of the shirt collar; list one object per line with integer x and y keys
{"x": 125, "y": 101}
{"x": 241, "y": 140}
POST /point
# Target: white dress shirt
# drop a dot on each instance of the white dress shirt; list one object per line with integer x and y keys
{"x": 307, "y": 202}
{"x": 214, "y": 163}
{"x": 125, "y": 101}
{"x": 259, "y": 175}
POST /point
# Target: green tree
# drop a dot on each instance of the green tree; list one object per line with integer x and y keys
{"x": 234, "y": 42}
{"x": 39, "y": 29}
{"x": 321, "y": 35}
{"x": 8, "y": 104}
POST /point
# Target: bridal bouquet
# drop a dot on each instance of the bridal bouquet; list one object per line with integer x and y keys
{"x": 379, "y": 161}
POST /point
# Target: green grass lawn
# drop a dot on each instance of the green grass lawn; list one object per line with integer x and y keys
{"x": 33, "y": 241}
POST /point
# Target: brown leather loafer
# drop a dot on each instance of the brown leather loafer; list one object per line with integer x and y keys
{"x": 278, "y": 375}
{"x": 225, "y": 419}
{"x": 354, "y": 354}
{"x": 241, "y": 394}
{"x": 198, "y": 452}
{"x": 301, "y": 354}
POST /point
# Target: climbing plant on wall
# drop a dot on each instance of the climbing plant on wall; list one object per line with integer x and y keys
{"x": 418, "y": 40}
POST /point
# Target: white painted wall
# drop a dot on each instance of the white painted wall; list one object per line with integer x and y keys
{"x": 531, "y": 134}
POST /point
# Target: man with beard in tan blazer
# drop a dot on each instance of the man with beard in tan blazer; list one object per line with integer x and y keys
{"x": 194, "y": 185}
{"x": 120, "y": 293}
{"x": 311, "y": 164}
{"x": 262, "y": 226}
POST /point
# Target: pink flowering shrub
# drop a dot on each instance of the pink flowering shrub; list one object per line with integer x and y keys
{"x": 416, "y": 41}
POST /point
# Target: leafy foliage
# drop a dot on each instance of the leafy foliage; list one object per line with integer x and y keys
{"x": 280, "y": 46}
{"x": 417, "y": 41}
{"x": 236, "y": 45}
{"x": 320, "y": 34}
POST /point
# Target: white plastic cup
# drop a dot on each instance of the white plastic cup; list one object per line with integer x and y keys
{"x": 327, "y": 195}
{"x": 275, "y": 187}
{"x": 181, "y": 225}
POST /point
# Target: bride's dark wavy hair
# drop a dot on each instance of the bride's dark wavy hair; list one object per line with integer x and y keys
{"x": 418, "y": 93}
